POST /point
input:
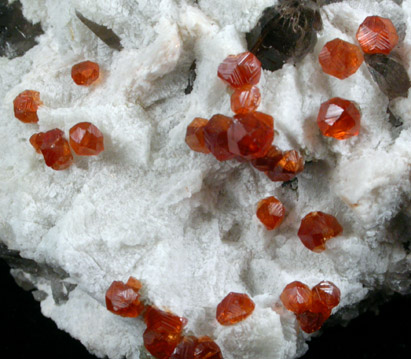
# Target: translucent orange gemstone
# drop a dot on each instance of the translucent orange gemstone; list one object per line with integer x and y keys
{"x": 250, "y": 135}
{"x": 193, "y": 348}
{"x": 163, "y": 332}
{"x": 311, "y": 322}
{"x": 240, "y": 70}
{"x": 195, "y": 135}
{"x": 123, "y": 300}
{"x": 280, "y": 165}
{"x": 85, "y": 73}
{"x": 339, "y": 118}
{"x": 325, "y": 295}
{"x": 245, "y": 99}
{"x": 134, "y": 283}
{"x": 340, "y": 59}
{"x": 36, "y": 141}
{"x": 270, "y": 211}
{"x": 234, "y": 308}
{"x": 215, "y": 137}
{"x": 316, "y": 228}
{"x": 55, "y": 149}
{"x": 86, "y": 139}
{"x": 26, "y": 105}
{"x": 377, "y": 35}
{"x": 296, "y": 297}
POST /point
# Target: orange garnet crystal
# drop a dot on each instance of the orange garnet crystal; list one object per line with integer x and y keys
{"x": 240, "y": 70}
{"x": 340, "y": 59}
{"x": 35, "y": 141}
{"x": 195, "y": 135}
{"x": 86, "y": 139}
{"x": 55, "y": 149}
{"x": 316, "y": 228}
{"x": 245, "y": 99}
{"x": 250, "y": 135}
{"x": 85, "y": 73}
{"x": 270, "y": 211}
{"x": 377, "y": 35}
{"x": 124, "y": 299}
{"x": 234, "y": 308}
{"x": 215, "y": 137}
{"x": 26, "y": 105}
{"x": 339, "y": 118}
{"x": 163, "y": 332}
{"x": 193, "y": 348}
{"x": 296, "y": 297}
{"x": 311, "y": 322}
{"x": 325, "y": 295}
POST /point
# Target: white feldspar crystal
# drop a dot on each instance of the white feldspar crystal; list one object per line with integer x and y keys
{"x": 181, "y": 222}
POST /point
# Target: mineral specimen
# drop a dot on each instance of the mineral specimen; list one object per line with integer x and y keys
{"x": 340, "y": 59}
{"x": 86, "y": 139}
{"x": 26, "y": 105}
{"x": 245, "y": 99}
{"x": 270, "y": 211}
{"x": 296, "y": 297}
{"x": 195, "y": 135}
{"x": 85, "y": 73}
{"x": 234, "y": 308}
{"x": 197, "y": 348}
{"x": 215, "y": 137}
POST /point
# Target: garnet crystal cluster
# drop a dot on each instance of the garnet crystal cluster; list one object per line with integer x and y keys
{"x": 312, "y": 306}
{"x": 248, "y": 135}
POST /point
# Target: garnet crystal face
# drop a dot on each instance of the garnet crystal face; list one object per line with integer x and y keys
{"x": 325, "y": 295}
{"x": 240, "y": 70}
{"x": 377, "y": 35}
{"x": 311, "y": 322}
{"x": 296, "y": 297}
{"x": 55, "y": 149}
{"x": 197, "y": 348}
{"x": 234, "y": 308}
{"x": 339, "y": 118}
{"x": 215, "y": 137}
{"x": 316, "y": 228}
{"x": 123, "y": 299}
{"x": 340, "y": 59}
{"x": 195, "y": 135}
{"x": 245, "y": 99}
{"x": 26, "y": 105}
{"x": 85, "y": 73}
{"x": 250, "y": 135}
{"x": 86, "y": 139}
{"x": 270, "y": 212}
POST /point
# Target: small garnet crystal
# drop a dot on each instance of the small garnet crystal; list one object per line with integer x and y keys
{"x": 240, "y": 70}
{"x": 197, "y": 348}
{"x": 26, "y": 105}
{"x": 85, "y": 73}
{"x": 215, "y": 137}
{"x": 55, "y": 149}
{"x": 270, "y": 211}
{"x": 339, "y": 118}
{"x": 124, "y": 299}
{"x": 250, "y": 135}
{"x": 35, "y": 141}
{"x": 296, "y": 297}
{"x": 234, "y": 308}
{"x": 86, "y": 139}
{"x": 325, "y": 295}
{"x": 245, "y": 99}
{"x": 163, "y": 332}
{"x": 311, "y": 322}
{"x": 195, "y": 135}
{"x": 377, "y": 35}
{"x": 316, "y": 228}
{"x": 340, "y": 59}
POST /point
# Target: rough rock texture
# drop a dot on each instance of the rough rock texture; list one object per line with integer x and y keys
{"x": 181, "y": 222}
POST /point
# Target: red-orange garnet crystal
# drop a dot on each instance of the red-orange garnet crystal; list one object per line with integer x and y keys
{"x": 311, "y": 322}
{"x": 86, "y": 139}
{"x": 296, "y": 297}
{"x": 215, "y": 137}
{"x": 85, "y": 73}
{"x": 26, "y": 105}
{"x": 325, "y": 295}
{"x": 377, "y": 35}
{"x": 340, "y": 59}
{"x": 239, "y": 70}
{"x": 195, "y": 135}
{"x": 339, "y": 118}
{"x": 163, "y": 332}
{"x": 245, "y": 99}
{"x": 316, "y": 228}
{"x": 270, "y": 211}
{"x": 197, "y": 348}
{"x": 250, "y": 135}
{"x": 36, "y": 141}
{"x": 124, "y": 299}
{"x": 55, "y": 149}
{"x": 234, "y": 308}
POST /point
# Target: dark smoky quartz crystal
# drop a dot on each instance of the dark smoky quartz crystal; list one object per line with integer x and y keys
{"x": 389, "y": 74}
{"x": 17, "y": 35}
{"x": 287, "y": 31}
